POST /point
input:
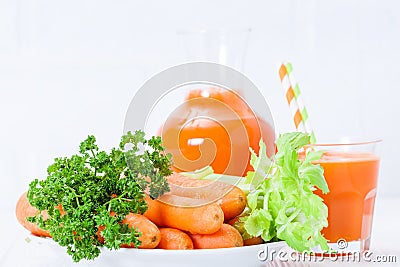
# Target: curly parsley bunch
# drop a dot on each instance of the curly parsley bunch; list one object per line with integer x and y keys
{"x": 96, "y": 188}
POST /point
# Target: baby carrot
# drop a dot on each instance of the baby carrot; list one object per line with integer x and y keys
{"x": 150, "y": 234}
{"x": 195, "y": 188}
{"x": 226, "y": 237}
{"x": 174, "y": 239}
{"x": 239, "y": 225}
{"x": 230, "y": 198}
{"x": 253, "y": 241}
{"x": 233, "y": 203}
{"x": 24, "y": 210}
{"x": 187, "y": 214}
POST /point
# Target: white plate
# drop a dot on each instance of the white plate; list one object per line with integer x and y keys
{"x": 233, "y": 257}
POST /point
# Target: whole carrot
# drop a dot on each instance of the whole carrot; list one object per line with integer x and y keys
{"x": 174, "y": 239}
{"x": 201, "y": 189}
{"x": 233, "y": 203}
{"x": 187, "y": 214}
{"x": 226, "y": 237}
{"x": 150, "y": 234}
{"x": 253, "y": 241}
{"x": 247, "y": 240}
{"x": 24, "y": 210}
{"x": 230, "y": 198}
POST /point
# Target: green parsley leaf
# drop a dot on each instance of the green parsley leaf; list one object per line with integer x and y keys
{"x": 98, "y": 189}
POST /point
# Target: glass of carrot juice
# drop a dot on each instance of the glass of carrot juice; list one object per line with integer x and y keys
{"x": 351, "y": 172}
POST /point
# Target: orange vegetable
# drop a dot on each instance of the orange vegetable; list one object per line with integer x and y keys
{"x": 253, "y": 241}
{"x": 23, "y": 210}
{"x": 151, "y": 235}
{"x": 192, "y": 215}
{"x": 238, "y": 225}
{"x": 233, "y": 203}
{"x": 230, "y": 198}
{"x": 174, "y": 239}
{"x": 226, "y": 237}
{"x": 233, "y": 220}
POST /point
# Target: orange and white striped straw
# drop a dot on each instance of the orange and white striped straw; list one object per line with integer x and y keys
{"x": 294, "y": 99}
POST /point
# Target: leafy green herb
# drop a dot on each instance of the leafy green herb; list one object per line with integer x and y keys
{"x": 283, "y": 206}
{"x": 96, "y": 189}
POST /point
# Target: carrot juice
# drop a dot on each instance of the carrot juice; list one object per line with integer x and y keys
{"x": 215, "y": 127}
{"x": 352, "y": 180}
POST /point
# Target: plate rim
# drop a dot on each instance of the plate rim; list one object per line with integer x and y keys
{"x": 49, "y": 241}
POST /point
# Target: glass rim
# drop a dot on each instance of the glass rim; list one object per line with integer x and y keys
{"x": 356, "y": 143}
